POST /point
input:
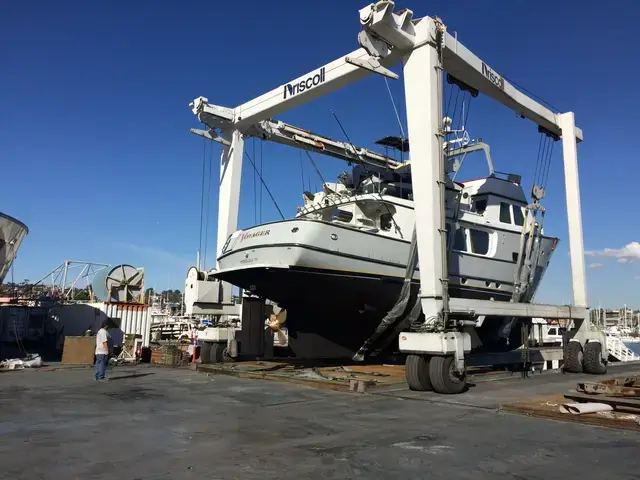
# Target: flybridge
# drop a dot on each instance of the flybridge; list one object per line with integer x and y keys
{"x": 292, "y": 89}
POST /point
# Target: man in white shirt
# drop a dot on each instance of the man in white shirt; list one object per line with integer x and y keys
{"x": 102, "y": 351}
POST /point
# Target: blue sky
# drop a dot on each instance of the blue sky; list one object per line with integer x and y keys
{"x": 98, "y": 161}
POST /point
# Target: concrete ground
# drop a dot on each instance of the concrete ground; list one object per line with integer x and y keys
{"x": 159, "y": 423}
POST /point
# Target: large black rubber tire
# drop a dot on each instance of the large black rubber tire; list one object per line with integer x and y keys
{"x": 443, "y": 378}
{"x": 217, "y": 350}
{"x": 574, "y": 358}
{"x": 416, "y": 372}
{"x": 593, "y": 362}
{"x": 205, "y": 352}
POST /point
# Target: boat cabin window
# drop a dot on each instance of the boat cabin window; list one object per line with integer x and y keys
{"x": 385, "y": 221}
{"x": 506, "y": 215}
{"x": 480, "y": 205}
{"x": 518, "y": 217}
{"x": 505, "y": 212}
{"x": 479, "y": 241}
{"x": 460, "y": 240}
{"x": 366, "y": 222}
{"x": 342, "y": 215}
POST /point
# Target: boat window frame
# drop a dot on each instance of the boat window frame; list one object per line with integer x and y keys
{"x": 519, "y": 209}
{"x": 465, "y": 240}
{"x": 505, "y": 207}
{"x": 483, "y": 199}
{"x": 470, "y": 235}
{"x": 390, "y": 224}
{"x": 335, "y": 215}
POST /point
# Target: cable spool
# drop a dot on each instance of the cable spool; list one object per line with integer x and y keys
{"x": 122, "y": 283}
{"x": 194, "y": 274}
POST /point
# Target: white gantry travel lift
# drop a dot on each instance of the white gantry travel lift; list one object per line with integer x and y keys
{"x": 436, "y": 352}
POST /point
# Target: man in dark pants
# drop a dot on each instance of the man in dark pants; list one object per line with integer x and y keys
{"x": 102, "y": 351}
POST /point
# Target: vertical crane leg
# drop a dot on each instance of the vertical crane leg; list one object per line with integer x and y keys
{"x": 441, "y": 366}
{"x": 586, "y": 350}
{"x": 574, "y": 214}
{"x": 422, "y": 75}
{"x": 229, "y": 195}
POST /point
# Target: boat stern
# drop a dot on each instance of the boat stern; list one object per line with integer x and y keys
{"x": 547, "y": 248}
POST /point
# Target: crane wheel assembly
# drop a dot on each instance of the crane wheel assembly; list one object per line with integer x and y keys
{"x": 417, "y": 373}
{"x": 444, "y": 377}
{"x": 592, "y": 359}
{"x": 574, "y": 357}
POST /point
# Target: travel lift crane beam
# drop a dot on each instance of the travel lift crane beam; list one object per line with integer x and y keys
{"x": 286, "y": 134}
{"x": 427, "y": 50}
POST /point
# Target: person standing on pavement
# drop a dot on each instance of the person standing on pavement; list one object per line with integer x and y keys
{"x": 102, "y": 351}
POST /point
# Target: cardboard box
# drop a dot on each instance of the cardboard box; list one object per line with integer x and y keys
{"x": 79, "y": 350}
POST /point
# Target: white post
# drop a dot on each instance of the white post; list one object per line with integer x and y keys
{"x": 421, "y": 78}
{"x": 64, "y": 276}
{"x": 229, "y": 195}
{"x": 574, "y": 215}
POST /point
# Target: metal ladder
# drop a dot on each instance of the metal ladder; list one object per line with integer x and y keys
{"x": 527, "y": 255}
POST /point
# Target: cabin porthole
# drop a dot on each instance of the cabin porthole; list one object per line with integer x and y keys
{"x": 334, "y": 236}
{"x": 294, "y": 229}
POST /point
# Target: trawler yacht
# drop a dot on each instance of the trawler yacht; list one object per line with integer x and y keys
{"x": 339, "y": 264}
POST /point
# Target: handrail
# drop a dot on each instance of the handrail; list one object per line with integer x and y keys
{"x": 618, "y": 350}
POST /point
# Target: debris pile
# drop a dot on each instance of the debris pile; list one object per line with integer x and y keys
{"x": 32, "y": 360}
{"x": 613, "y": 403}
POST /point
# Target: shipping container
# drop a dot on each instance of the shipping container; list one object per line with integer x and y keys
{"x": 124, "y": 319}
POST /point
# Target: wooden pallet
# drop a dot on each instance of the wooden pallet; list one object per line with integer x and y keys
{"x": 168, "y": 355}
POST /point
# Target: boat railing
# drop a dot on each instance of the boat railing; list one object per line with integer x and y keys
{"x": 619, "y": 351}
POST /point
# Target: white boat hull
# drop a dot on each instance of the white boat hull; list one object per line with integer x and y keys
{"x": 335, "y": 291}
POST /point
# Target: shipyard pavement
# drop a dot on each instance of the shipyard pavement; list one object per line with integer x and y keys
{"x": 163, "y": 423}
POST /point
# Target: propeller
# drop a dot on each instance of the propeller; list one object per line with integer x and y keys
{"x": 276, "y": 322}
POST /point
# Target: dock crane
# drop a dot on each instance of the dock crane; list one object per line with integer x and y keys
{"x": 437, "y": 349}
